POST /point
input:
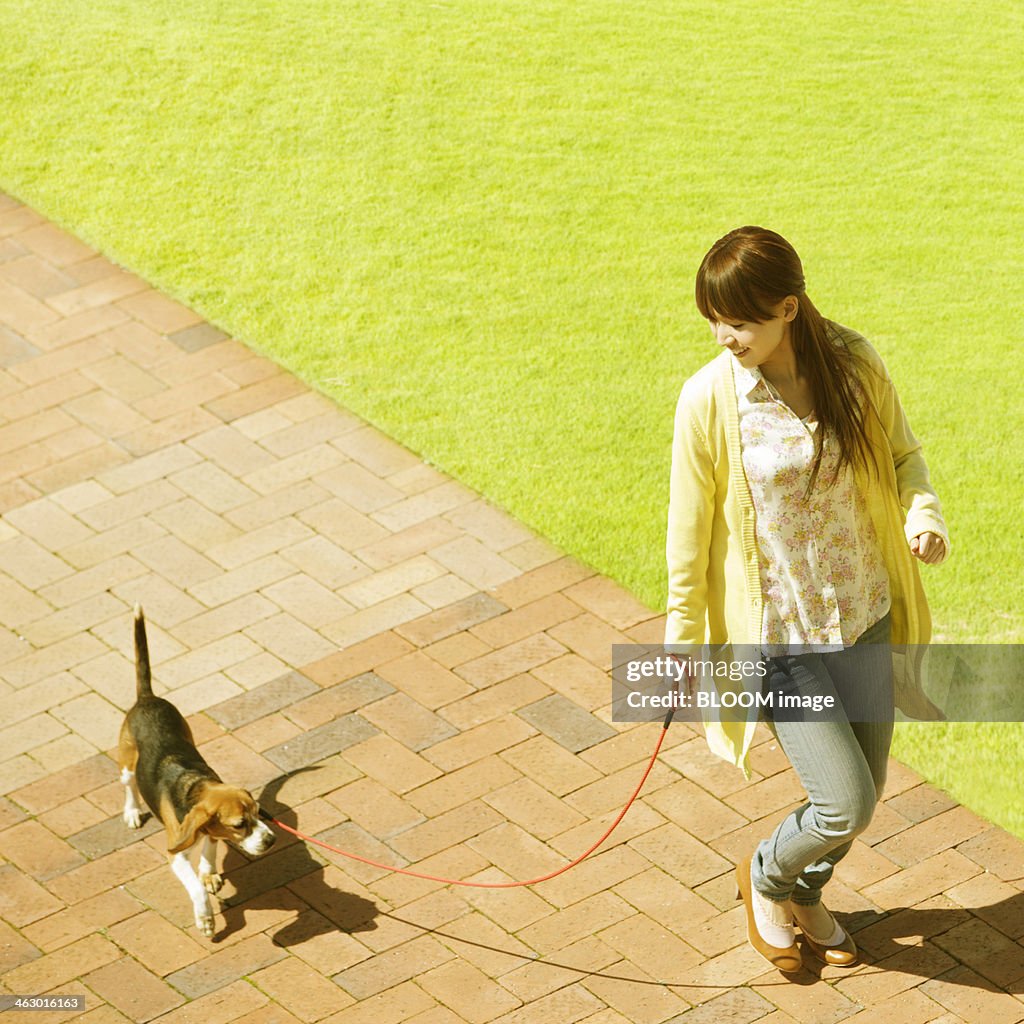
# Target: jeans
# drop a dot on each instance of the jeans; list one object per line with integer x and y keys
{"x": 841, "y": 764}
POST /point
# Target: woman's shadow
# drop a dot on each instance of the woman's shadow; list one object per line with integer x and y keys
{"x": 260, "y": 883}
{"x": 979, "y": 948}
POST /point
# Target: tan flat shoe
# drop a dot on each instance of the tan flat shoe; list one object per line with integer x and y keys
{"x": 787, "y": 958}
{"x": 842, "y": 954}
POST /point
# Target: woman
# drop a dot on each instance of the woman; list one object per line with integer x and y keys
{"x": 799, "y": 506}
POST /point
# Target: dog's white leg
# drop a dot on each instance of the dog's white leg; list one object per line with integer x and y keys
{"x": 182, "y": 867}
{"x": 132, "y": 814}
{"x": 207, "y": 869}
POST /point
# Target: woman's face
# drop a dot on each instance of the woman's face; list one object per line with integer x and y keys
{"x": 754, "y": 344}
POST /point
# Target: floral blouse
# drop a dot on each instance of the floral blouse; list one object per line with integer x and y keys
{"x": 822, "y": 575}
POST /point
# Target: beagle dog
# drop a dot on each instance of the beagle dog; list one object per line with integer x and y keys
{"x": 159, "y": 760}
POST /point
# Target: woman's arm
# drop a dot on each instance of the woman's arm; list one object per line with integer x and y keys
{"x": 918, "y": 497}
{"x": 688, "y": 542}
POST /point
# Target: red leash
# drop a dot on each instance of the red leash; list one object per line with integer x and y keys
{"x": 491, "y": 885}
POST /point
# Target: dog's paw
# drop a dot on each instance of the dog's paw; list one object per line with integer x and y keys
{"x": 212, "y": 883}
{"x": 132, "y": 817}
{"x": 204, "y": 922}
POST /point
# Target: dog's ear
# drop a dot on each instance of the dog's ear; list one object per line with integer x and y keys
{"x": 184, "y": 837}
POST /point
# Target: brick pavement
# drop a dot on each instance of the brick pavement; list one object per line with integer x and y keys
{"x": 395, "y": 665}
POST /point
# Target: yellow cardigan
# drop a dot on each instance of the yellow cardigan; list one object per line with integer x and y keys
{"x": 714, "y": 585}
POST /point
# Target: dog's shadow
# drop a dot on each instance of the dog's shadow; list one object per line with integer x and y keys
{"x": 261, "y": 883}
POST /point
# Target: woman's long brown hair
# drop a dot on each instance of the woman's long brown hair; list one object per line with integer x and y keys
{"x": 743, "y": 277}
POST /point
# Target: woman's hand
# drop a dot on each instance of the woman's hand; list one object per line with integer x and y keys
{"x": 929, "y": 547}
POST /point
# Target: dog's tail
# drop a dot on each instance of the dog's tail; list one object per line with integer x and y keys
{"x": 143, "y": 678}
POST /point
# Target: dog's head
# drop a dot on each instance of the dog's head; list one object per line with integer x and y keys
{"x": 227, "y": 813}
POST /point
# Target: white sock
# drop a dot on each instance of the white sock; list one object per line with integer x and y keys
{"x": 774, "y": 921}
{"x": 818, "y": 924}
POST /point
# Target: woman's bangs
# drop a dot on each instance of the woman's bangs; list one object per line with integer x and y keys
{"x": 727, "y": 296}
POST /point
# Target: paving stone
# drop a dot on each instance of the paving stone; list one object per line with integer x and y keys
{"x": 456, "y": 617}
{"x": 326, "y": 705}
{"x": 321, "y": 743}
{"x": 28, "y": 401}
{"x": 549, "y": 764}
{"x": 921, "y": 802}
{"x": 577, "y": 679}
{"x": 423, "y": 679}
{"x": 379, "y": 618}
{"x": 263, "y": 700}
{"x": 14, "y": 949}
{"x": 197, "y": 337}
{"x": 973, "y": 999}
{"x": 307, "y": 600}
{"x": 494, "y": 702}
{"x": 985, "y": 950}
{"x": 239, "y": 1001}
{"x": 994, "y": 901}
{"x": 443, "y": 591}
{"x": 91, "y": 717}
{"x": 920, "y": 881}
{"x": 397, "y": 1004}
{"x": 566, "y": 723}
{"x": 470, "y": 993}
{"x": 591, "y": 638}
{"x": 809, "y": 1004}
{"x": 134, "y": 990}
{"x": 158, "y": 312}
{"x": 287, "y": 638}
{"x": 390, "y": 583}
{"x": 998, "y": 852}
{"x": 111, "y": 870}
{"x": 31, "y": 733}
{"x": 378, "y": 454}
{"x": 112, "y": 834}
{"x": 10, "y": 814}
{"x": 408, "y": 721}
{"x": 474, "y": 744}
{"x": 462, "y": 784}
{"x": 54, "y": 969}
{"x": 474, "y": 562}
{"x": 30, "y": 564}
{"x": 22, "y": 311}
{"x": 226, "y": 965}
{"x": 23, "y": 900}
{"x": 391, "y": 763}
{"x": 420, "y": 507}
{"x": 533, "y": 808}
{"x": 14, "y": 348}
{"x": 393, "y": 967}
{"x": 520, "y": 656}
{"x": 301, "y": 990}
{"x": 375, "y": 808}
{"x": 254, "y": 397}
{"x": 909, "y": 1007}
{"x": 328, "y": 563}
{"x": 444, "y": 830}
{"x": 19, "y": 771}
{"x": 897, "y": 973}
{"x": 55, "y": 246}
{"x": 72, "y": 817}
{"x": 55, "y": 789}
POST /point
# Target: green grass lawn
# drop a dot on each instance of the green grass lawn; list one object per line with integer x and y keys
{"x": 477, "y": 223}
